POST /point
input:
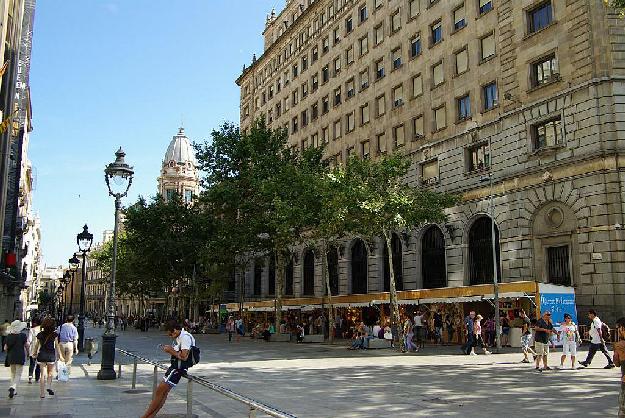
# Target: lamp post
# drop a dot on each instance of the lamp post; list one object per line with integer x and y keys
{"x": 73, "y": 268}
{"x": 118, "y": 177}
{"x": 84, "y": 241}
{"x": 65, "y": 283}
{"x": 59, "y": 307}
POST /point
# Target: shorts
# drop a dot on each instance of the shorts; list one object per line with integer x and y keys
{"x": 541, "y": 349}
{"x": 173, "y": 376}
{"x": 526, "y": 340}
{"x": 569, "y": 347}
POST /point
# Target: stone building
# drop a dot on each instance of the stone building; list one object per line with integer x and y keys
{"x": 179, "y": 173}
{"x": 521, "y": 102}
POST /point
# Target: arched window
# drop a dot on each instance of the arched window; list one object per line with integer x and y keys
{"x": 359, "y": 267}
{"x": 433, "y": 268}
{"x": 288, "y": 277}
{"x": 309, "y": 273}
{"x": 272, "y": 275}
{"x": 333, "y": 270}
{"x": 258, "y": 274}
{"x": 396, "y": 246}
{"x": 481, "y": 252}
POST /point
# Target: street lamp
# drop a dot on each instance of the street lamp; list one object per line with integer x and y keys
{"x": 84, "y": 241}
{"x": 74, "y": 262}
{"x": 118, "y": 177}
{"x": 59, "y": 295}
{"x": 64, "y": 282}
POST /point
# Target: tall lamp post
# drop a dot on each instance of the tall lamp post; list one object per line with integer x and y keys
{"x": 59, "y": 296}
{"x": 65, "y": 282}
{"x": 118, "y": 177}
{"x": 74, "y": 262}
{"x": 84, "y": 241}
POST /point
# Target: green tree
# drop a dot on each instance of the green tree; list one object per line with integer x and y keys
{"x": 382, "y": 202}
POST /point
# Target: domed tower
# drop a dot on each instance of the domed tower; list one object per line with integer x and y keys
{"x": 179, "y": 173}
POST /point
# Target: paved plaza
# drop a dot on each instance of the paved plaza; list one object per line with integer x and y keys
{"x": 317, "y": 380}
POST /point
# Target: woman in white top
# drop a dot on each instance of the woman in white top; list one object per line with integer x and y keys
{"x": 569, "y": 336}
{"x": 35, "y": 328}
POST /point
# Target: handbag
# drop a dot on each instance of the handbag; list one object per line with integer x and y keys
{"x": 62, "y": 371}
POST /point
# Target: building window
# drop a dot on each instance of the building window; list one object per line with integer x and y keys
{"x": 378, "y": 3}
{"x": 349, "y": 55}
{"x": 337, "y": 96}
{"x": 395, "y": 22}
{"x": 379, "y": 34}
{"x": 304, "y": 89}
{"x": 485, "y": 6}
{"x": 325, "y": 105}
{"x": 440, "y": 118}
{"x": 336, "y": 36}
{"x": 459, "y": 18}
{"x": 337, "y": 129}
{"x": 429, "y": 172}
{"x": 396, "y": 57}
{"x": 350, "y": 122}
{"x": 381, "y": 140}
{"x": 325, "y": 74}
{"x": 295, "y": 71}
{"x": 314, "y": 140}
{"x": 438, "y": 74}
{"x": 540, "y": 17}
{"x": 364, "y": 114}
{"x": 325, "y": 45}
{"x": 558, "y": 266}
{"x": 314, "y": 81}
{"x": 545, "y": 71}
{"x": 464, "y": 107}
{"x": 462, "y": 61}
{"x": 304, "y": 117}
{"x": 488, "y": 46}
{"x": 294, "y": 97}
{"x": 398, "y": 96}
{"x": 417, "y": 127}
{"x": 417, "y": 86}
{"x": 337, "y": 66}
{"x": 294, "y": 125}
{"x": 170, "y": 193}
{"x": 363, "y": 13}
{"x": 325, "y": 135}
{"x": 349, "y": 88}
{"x": 380, "y": 103}
{"x": 364, "y": 79}
{"x": 489, "y": 93}
{"x": 547, "y": 134}
{"x": 479, "y": 157}
{"x": 304, "y": 63}
{"x": 364, "y": 45}
{"x": 413, "y": 8}
{"x": 436, "y": 31}
{"x": 398, "y": 136}
{"x": 365, "y": 149}
{"x": 314, "y": 111}
{"x": 349, "y": 25}
{"x": 315, "y": 54}
{"x": 379, "y": 69}
{"x": 415, "y": 46}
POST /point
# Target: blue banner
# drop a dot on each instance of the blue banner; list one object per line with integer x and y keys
{"x": 558, "y": 304}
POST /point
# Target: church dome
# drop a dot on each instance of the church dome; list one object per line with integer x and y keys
{"x": 180, "y": 150}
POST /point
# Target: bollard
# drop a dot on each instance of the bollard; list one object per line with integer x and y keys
{"x": 134, "y": 373}
{"x": 252, "y": 412}
{"x": 119, "y": 370}
{"x": 189, "y": 398}
{"x": 155, "y": 382}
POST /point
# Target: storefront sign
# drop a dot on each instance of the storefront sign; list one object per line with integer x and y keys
{"x": 559, "y": 304}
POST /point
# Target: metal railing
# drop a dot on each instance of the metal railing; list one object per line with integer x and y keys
{"x": 252, "y": 404}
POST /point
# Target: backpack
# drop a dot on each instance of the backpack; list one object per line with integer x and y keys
{"x": 192, "y": 359}
{"x": 605, "y": 332}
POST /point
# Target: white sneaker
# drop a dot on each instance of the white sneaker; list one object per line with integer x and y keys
{"x": 473, "y": 353}
{"x": 487, "y": 352}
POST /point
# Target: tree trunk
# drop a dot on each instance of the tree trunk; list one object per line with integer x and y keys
{"x": 326, "y": 277}
{"x": 395, "y": 319}
{"x": 279, "y": 284}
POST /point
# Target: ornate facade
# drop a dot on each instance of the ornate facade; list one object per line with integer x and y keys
{"x": 179, "y": 173}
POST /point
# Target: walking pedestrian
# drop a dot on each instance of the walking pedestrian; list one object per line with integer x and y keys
{"x": 240, "y": 328}
{"x": 569, "y": 336}
{"x": 526, "y": 337}
{"x": 619, "y": 360}
{"x": 469, "y": 326}
{"x": 230, "y": 328}
{"x": 68, "y": 341}
{"x": 438, "y": 328}
{"x": 597, "y": 341}
{"x": 35, "y": 328}
{"x": 408, "y": 335}
{"x": 418, "y": 329}
{"x": 16, "y": 346}
{"x": 543, "y": 331}
{"x": 477, "y": 328}
{"x": 4, "y": 331}
{"x": 47, "y": 351}
{"x": 180, "y": 351}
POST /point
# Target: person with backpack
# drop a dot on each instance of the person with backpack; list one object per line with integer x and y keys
{"x": 184, "y": 354}
{"x": 599, "y": 332}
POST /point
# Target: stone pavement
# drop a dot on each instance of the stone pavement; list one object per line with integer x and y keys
{"x": 317, "y": 380}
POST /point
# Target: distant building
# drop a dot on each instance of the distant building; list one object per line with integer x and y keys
{"x": 179, "y": 174}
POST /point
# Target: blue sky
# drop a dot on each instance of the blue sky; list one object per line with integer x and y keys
{"x": 109, "y": 73}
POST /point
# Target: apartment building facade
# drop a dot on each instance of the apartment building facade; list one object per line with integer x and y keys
{"x": 516, "y": 105}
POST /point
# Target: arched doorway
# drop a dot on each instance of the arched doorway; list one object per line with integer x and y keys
{"x": 258, "y": 274}
{"x": 359, "y": 267}
{"x": 309, "y": 273}
{"x": 288, "y": 277}
{"x": 272, "y": 275}
{"x": 396, "y": 246}
{"x": 433, "y": 267}
{"x": 481, "y": 252}
{"x": 333, "y": 270}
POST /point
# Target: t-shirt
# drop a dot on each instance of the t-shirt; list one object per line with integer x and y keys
{"x": 526, "y": 325}
{"x": 438, "y": 320}
{"x": 469, "y": 323}
{"x": 184, "y": 341}
{"x": 376, "y": 330}
{"x": 418, "y": 322}
{"x": 568, "y": 333}
{"x": 542, "y": 336}
{"x": 595, "y": 327}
